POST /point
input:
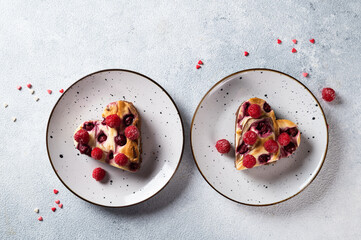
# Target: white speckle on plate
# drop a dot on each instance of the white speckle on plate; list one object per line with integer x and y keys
{"x": 36, "y": 98}
{"x": 5, "y": 105}
{"x": 14, "y": 119}
{"x": 36, "y": 210}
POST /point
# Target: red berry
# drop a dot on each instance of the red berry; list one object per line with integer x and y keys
{"x": 271, "y": 146}
{"x": 29, "y": 85}
{"x": 249, "y": 161}
{"x": 250, "y": 137}
{"x": 49, "y": 91}
{"x": 294, "y": 41}
{"x": 305, "y": 74}
{"x": 121, "y": 159}
{"x": 56, "y": 191}
{"x": 81, "y": 136}
{"x": 53, "y": 209}
{"x": 98, "y": 174}
{"x": 279, "y": 41}
{"x": 284, "y": 139}
{"x": 60, "y": 205}
{"x": 132, "y": 133}
{"x": 97, "y": 153}
{"x": 61, "y": 90}
{"x": 113, "y": 121}
{"x": 312, "y": 40}
{"x": 18, "y": 87}
{"x": 246, "y": 53}
{"x": 328, "y": 94}
{"x": 200, "y": 62}
{"x": 254, "y": 110}
{"x": 57, "y": 201}
{"x": 294, "y": 50}
{"x": 198, "y": 66}
{"x": 223, "y": 146}
{"x": 40, "y": 218}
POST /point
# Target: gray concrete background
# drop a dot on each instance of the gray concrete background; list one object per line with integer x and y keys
{"x": 52, "y": 45}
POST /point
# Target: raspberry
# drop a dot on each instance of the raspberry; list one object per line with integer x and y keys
{"x": 279, "y": 41}
{"x": 271, "y": 146}
{"x": 254, "y": 110}
{"x": 29, "y": 85}
{"x": 113, "y": 121}
{"x": 56, "y": 191}
{"x": 49, "y": 91}
{"x": 294, "y": 50}
{"x": 328, "y": 94}
{"x": 294, "y": 41}
{"x": 82, "y": 136}
{"x": 18, "y": 87}
{"x": 57, "y": 201}
{"x": 312, "y": 40}
{"x": 121, "y": 159}
{"x": 250, "y": 137}
{"x": 40, "y": 218}
{"x": 61, "y": 90}
{"x": 53, "y": 209}
{"x": 132, "y": 133}
{"x": 97, "y": 153}
{"x": 305, "y": 74}
{"x": 200, "y": 62}
{"x": 198, "y": 66}
{"x": 284, "y": 139}
{"x": 246, "y": 53}
{"x": 98, "y": 174}
{"x": 60, "y": 205}
{"x": 223, "y": 146}
{"x": 249, "y": 161}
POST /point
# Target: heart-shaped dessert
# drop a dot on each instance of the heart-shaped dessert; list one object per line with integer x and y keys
{"x": 260, "y": 137}
{"x": 115, "y": 140}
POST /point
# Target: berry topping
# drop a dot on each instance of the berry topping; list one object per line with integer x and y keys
{"x": 121, "y": 159}
{"x": 133, "y": 167}
{"x": 271, "y": 146}
{"x": 250, "y": 137}
{"x": 292, "y": 131}
{"x": 305, "y": 74}
{"x": 102, "y": 137}
{"x": 263, "y": 127}
{"x": 82, "y": 136}
{"x": 223, "y": 146}
{"x": 328, "y": 94}
{"x": 249, "y": 161}
{"x": 49, "y": 91}
{"x": 120, "y": 140}
{"x": 84, "y": 149}
{"x": 103, "y": 122}
{"x": 57, "y": 201}
{"x": 29, "y": 85}
{"x": 113, "y": 121}
{"x": 109, "y": 156}
{"x": 97, "y": 153}
{"x": 279, "y": 41}
{"x": 246, "y": 106}
{"x": 18, "y": 87}
{"x": 242, "y": 149}
{"x": 132, "y": 133}
{"x": 88, "y": 126}
{"x": 98, "y": 174}
{"x": 264, "y": 158}
{"x": 290, "y": 148}
{"x": 198, "y": 66}
{"x": 254, "y": 110}
{"x": 60, "y": 205}
{"x": 294, "y": 41}
{"x": 284, "y": 139}
{"x": 40, "y": 218}
{"x": 312, "y": 40}
{"x": 200, "y": 62}
{"x": 55, "y": 191}
{"x": 128, "y": 119}
{"x": 53, "y": 209}
{"x": 61, "y": 90}
{"x": 294, "y": 50}
{"x": 266, "y": 107}
{"x": 246, "y": 53}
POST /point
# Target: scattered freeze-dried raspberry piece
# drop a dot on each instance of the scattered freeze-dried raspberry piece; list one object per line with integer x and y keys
{"x": 53, "y": 209}
{"x": 223, "y": 146}
{"x": 328, "y": 94}
{"x": 60, "y": 205}
{"x": 198, "y": 66}
{"x": 279, "y": 41}
{"x": 294, "y": 41}
{"x": 98, "y": 174}
{"x": 305, "y": 74}
{"x": 61, "y": 90}
{"x": 200, "y": 62}
{"x": 246, "y": 53}
{"x": 18, "y": 87}
{"x": 49, "y": 91}
{"x": 312, "y": 40}
{"x": 57, "y": 201}
{"x": 29, "y": 85}
{"x": 36, "y": 210}
{"x": 294, "y": 50}
{"x": 40, "y": 218}
{"x": 56, "y": 191}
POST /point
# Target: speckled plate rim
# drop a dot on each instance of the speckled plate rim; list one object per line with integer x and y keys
{"x": 111, "y": 70}
{"x": 250, "y": 70}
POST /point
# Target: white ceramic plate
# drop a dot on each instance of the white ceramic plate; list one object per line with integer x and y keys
{"x": 215, "y": 118}
{"x": 162, "y": 138}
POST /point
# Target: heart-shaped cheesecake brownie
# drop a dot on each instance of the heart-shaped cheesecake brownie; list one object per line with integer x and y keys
{"x": 260, "y": 137}
{"x": 115, "y": 140}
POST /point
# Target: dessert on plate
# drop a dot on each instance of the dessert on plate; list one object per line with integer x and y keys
{"x": 115, "y": 140}
{"x": 260, "y": 137}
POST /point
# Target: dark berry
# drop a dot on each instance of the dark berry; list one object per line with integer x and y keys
{"x": 246, "y": 106}
{"x": 292, "y": 131}
{"x": 263, "y": 128}
{"x": 103, "y": 122}
{"x": 98, "y": 174}
{"x": 97, "y": 153}
{"x": 249, "y": 161}
{"x": 250, "y": 137}
{"x": 81, "y": 136}
{"x": 132, "y": 133}
{"x": 84, "y": 149}
{"x": 223, "y": 146}
{"x": 266, "y": 107}
{"x": 120, "y": 140}
{"x": 128, "y": 119}
{"x": 102, "y": 137}
{"x": 121, "y": 159}
{"x": 271, "y": 146}
{"x": 134, "y": 167}
{"x": 264, "y": 158}
{"x": 242, "y": 148}
{"x": 113, "y": 121}
{"x": 254, "y": 111}
{"x": 88, "y": 126}
{"x": 284, "y": 139}
{"x": 328, "y": 94}
{"x": 290, "y": 148}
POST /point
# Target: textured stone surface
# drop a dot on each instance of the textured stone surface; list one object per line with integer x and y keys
{"x": 53, "y": 44}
